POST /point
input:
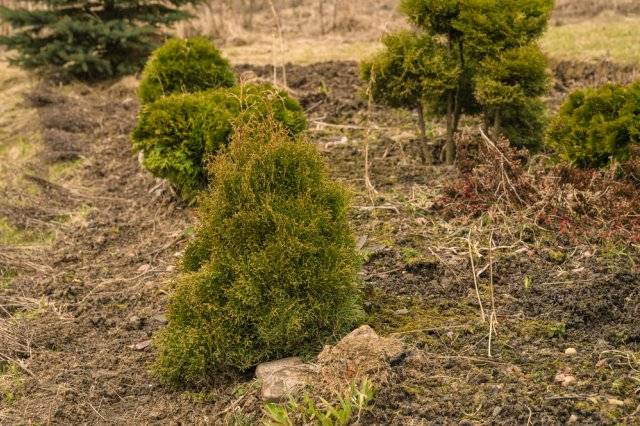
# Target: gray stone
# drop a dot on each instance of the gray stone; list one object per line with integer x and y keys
{"x": 162, "y": 319}
{"x": 136, "y": 323}
{"x": 283, "y": 377}
{"x": 403, "y": 311}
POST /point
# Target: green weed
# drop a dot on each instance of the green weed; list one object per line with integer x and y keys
{"x": 351, "y": 403}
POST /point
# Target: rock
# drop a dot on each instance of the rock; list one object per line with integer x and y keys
{"x": 403, "y": 311}
{"x": 360, "y": 352}
{"x": 135, "y": 323}
{"x": 155, "y": 414}
{"x": 161, "y": 319}
{"x": 496, "y": 411}
{"x": 515, "y": 370}
{"x": 283, "y": 377}
{"x": 573, "y": 419}
{"x": 565, "y": 379}
{"x": 615, "y": 402}
{"x": 570, "y": 351}
{"x": 141, "y": 346}
{"x": 602, "y": 363}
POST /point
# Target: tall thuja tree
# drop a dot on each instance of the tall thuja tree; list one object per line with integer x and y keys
{"x": 436, "y": 18}
{"x": 89, "y": 39}
{"x": 509, "y": 88}
{"x": 500, "y": 70}
{"x": 411, "y": 67}
{"x": 502, "y": 37}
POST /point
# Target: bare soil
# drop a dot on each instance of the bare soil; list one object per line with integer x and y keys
{"x": 85, "y": 305}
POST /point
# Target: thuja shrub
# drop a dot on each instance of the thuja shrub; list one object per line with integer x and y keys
{"x": 596, "y": 125}
{"x": 178, "y": 133}
{"x": 184, "y": 66}
{"x": 273, "y": 269}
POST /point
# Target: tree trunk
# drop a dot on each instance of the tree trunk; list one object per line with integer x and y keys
{"x": 321, "y": 10}
{"x": 334, "y": 25}
{"x": 497, "y": 124}
{"x": 427, "y": 158}
{"x": 450, "y": 146}
{"x": 458, "y": 107}
{"x": 485, "y": 121}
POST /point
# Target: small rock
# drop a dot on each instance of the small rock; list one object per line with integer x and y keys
{"x": 282, "y": 377}
{"x": 171, "y": 268}
{"x": 96, "y": 321}
{"x": 515, "y": 370}
{"x": 615, "y": 402}
{"x": 496, "y": 412}
{"x": 155, "y": 414}
{"x": 141, "y": 345}
{"x": 573, "y": 419}
{"x": 162, "y": 319}
{"x": 402, "y": 311}
{"x": 570, "y": 351}
{"x": 602, "y": 363}
{"x": 144, "y": 268}
{"x": 565, "y": 379}
{"x": 136, "y": 323}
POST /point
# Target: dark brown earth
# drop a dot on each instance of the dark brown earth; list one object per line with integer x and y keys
{"x": 101, "y": 288}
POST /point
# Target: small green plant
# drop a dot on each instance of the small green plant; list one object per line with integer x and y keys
{"x": 558, "y": 329}
{"x": 11, "y": 387}
{"x": 352, "y": 403}
{"x": 410, "y": 255}
{"x": 273, "y": 269}
{"x": 203, "y": 396}
{"x": 178, "y": 133}
{"x": 597, "y": 125}
{"x": 527, "y": 283}
{"x": 184, "y": 66}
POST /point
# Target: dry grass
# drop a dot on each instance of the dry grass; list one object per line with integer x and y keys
{"x": 606, "y": 36}
{"x": 302, "y": 51}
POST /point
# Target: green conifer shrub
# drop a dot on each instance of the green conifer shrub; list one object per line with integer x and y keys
{"x": 184, "y": 66}
{"x": 486, "y": 44}
{"x": 509, "y": 86}
{"x": 177, "y": 134}
{"x": 410, "y": 68}
{"x": 595, "y": 125}
{"x": 90, "y": 40}
{"x": 273, "y": 269}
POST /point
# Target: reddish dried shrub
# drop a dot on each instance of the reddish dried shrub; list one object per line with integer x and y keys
{"x": 587, "y": 205}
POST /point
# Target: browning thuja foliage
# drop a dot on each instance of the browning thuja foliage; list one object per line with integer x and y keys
{"x": 184, "y": 66}
{"x": 596, "y": 125}
{"x": 178, "y": 133}
{"x": 273, "y": 269}
{"x": 578, "y": 205}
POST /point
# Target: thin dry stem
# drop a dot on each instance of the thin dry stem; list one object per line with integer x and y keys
{"x": 493, "y": 318}
{"x": 276, "y": 20}
{"x": 367, "y": 180}
{"x": 475, "y": 278}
